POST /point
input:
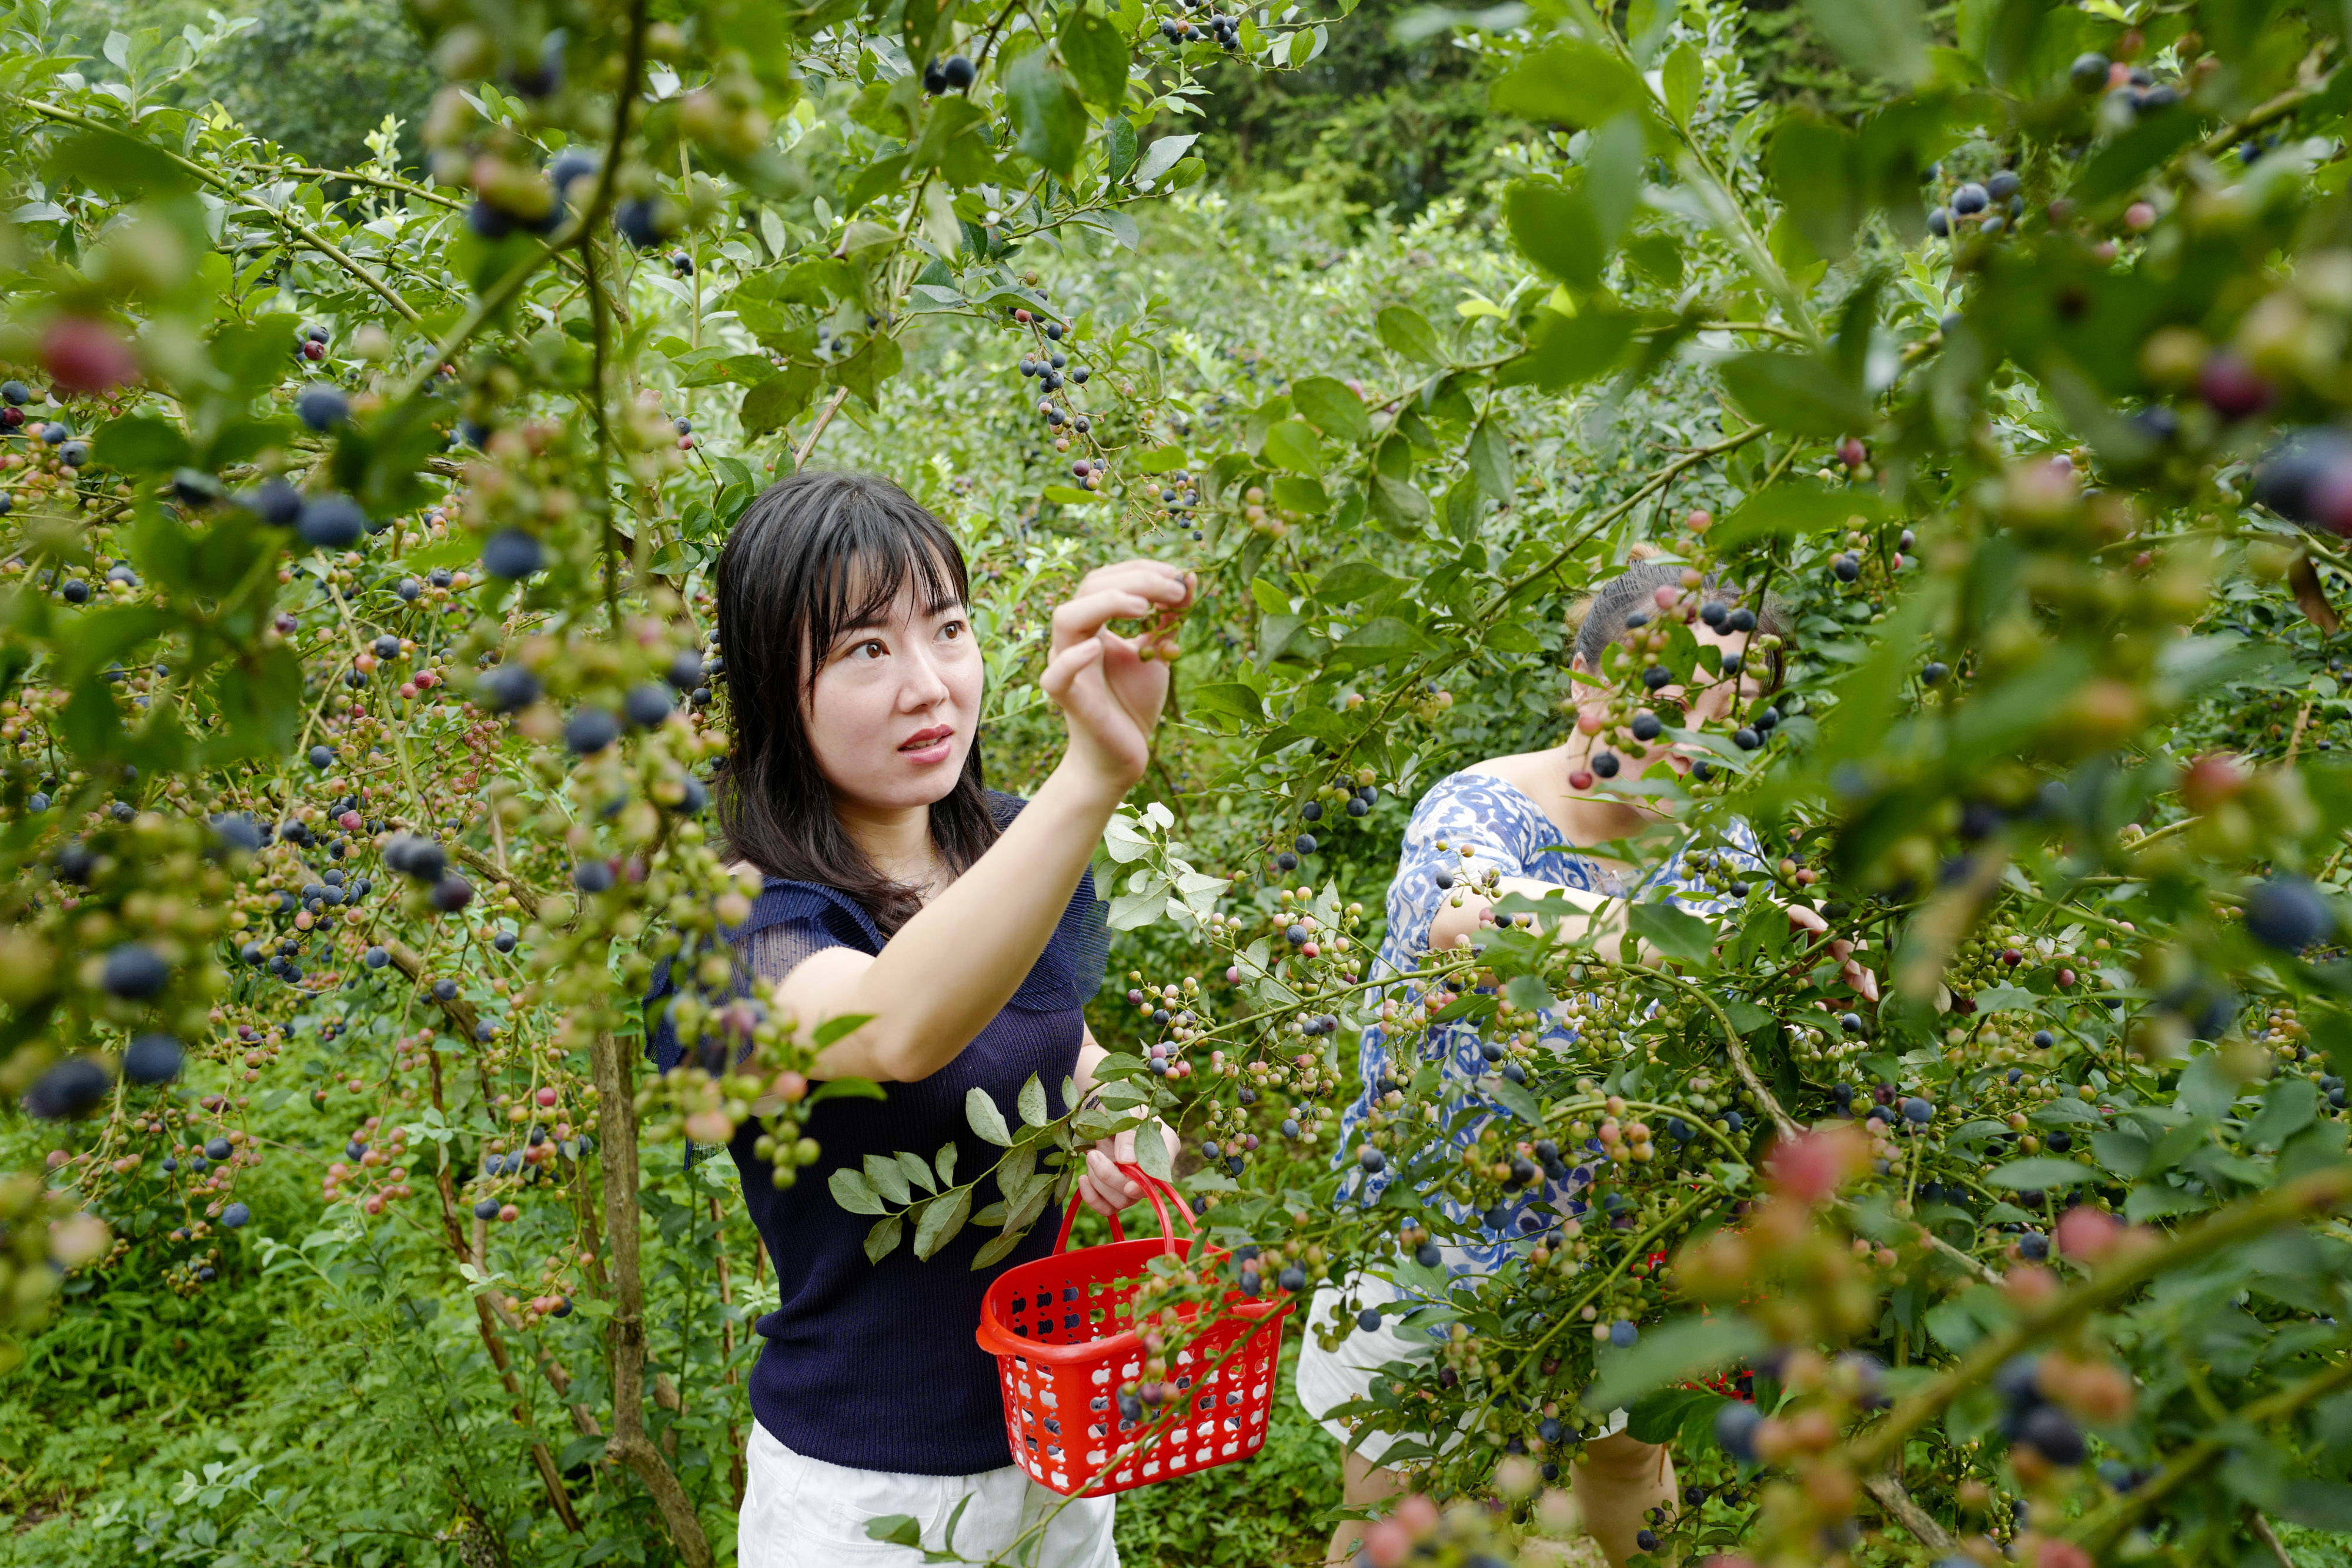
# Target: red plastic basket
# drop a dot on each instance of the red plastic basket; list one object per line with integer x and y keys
{"x": 1062, "y": 1331}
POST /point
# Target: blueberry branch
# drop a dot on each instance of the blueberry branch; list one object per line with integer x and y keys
{"x": 2295, "y": 1200}
{"x": 284, "y": 219}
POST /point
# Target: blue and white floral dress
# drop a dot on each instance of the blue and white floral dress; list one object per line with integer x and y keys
{"x": 1509, "y": 834}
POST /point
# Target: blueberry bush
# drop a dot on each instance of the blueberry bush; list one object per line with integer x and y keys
{"x": 360, "y": 697}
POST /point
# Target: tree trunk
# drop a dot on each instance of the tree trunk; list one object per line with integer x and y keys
{"x": 616, "y": 1132}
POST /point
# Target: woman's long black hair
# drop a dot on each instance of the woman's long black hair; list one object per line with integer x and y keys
{"x": 815, "y": 555}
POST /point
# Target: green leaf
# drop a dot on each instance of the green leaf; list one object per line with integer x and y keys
{"x": 1565, "y": 349}
{"x": 1682, "y": 76}
{"x": 1556, "y": 229}
{"x": 917, "y": 1170}
{"x": 1674, "y": 1351}
{"x": 1793, "y": 509}
{"x": 1673, "y": 931}
{"x": 1163, "y": 155}
{"x": 1332, "y": 408}
{"x": 985, "y": 1118}
{"x": 1151, "y": 1153}
{"x": 1512, "y": 1097}
{"x": 853, "y": 1192}
{"x": 883, "y": 1238}
{"x": 1799, "y": 392}
{"x": 1033, "y": 1103}
{"x": 1812, "y": 162}
{"x": 1096, "y": 57}
{"x": 1397, "y": 503}
{"x": 997, "y": 1247}
{"x": 1228, "y": 697}
{"x": 2040, "y": 1173}
{"x": 2287, "y": 1109}
{"x": 1527, "y": 992}
{"x": 2116, "y": 168}
{"x": 1120, "y": 153}
{"x": 1489, "y": 460}
{"x": 1290, "y": 444}
{"x": 771, "y": 404}
{"x": 1049, "y": 118}
{"x": 946, "y": 1161}
{"x": 943, "y": 1217}
{"x": 889, "y": 1179}
{"x": 1568, "y": 82}
{"x": 1407, "y": 334}
{"x": 955, "y": 142}
{"x": 142, "y": 444}
{"x": 1881, "y": 38}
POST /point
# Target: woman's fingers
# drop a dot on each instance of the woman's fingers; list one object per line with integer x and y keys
{"x": 1805, "y": 919}
{"x": 1107, "y": 1179}
{"x": 1085, "y": 614}
{"x": 1168, "y": 584}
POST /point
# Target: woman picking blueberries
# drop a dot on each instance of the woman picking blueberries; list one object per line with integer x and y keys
{"x": 1504, "y": 819}
{"x": 963, "y": 925}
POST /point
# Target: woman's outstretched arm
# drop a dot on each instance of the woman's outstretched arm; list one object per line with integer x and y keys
{"x": 953, "y": 966}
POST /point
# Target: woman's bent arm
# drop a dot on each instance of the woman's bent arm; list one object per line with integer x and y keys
{"x": 954, "y": 965}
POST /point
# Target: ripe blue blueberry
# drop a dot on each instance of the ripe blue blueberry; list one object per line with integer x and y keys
{"x": 1605, "y": 764}
{"x": 503, "y": 688}
{"x": 2288, "y": 914}
{"x": 74, "y": 1087}
{"x": 153, "y": 1059}
{"x": 2088, "y": 73}
{"x": 1968, "y": 198}
{"x": 647, "y": 705}
{"x": 134, "y": 972}
{"x": 1624, "y": 1334}
{"x": 321, "y": 406}
{"x": 1369, "y": 1319}
{"x": 513, "y": 553}
{"x": 235, "y": 1217}
{"x": 591, "y": 730}
{"x": 332, "y": 521}
{"x": 686, "y": 670}
{"x": 1915, "y": 1109}
{"x": 1303, "y": 843}
{"x": 1734, "y": 1430}
{"x": 218, "y": 1149}
{"x": 592, "y": 876}
{"x": 1312, "y": 811}
{"x": 1647, "y": 726}
{"x": 1746, "y": 739}
{"x": 1371, "y": 1160}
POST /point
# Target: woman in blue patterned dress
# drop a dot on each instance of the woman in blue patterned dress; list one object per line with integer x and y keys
{"x": 1512, "y": 815}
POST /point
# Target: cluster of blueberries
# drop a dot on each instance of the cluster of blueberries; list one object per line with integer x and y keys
{"x": 950, "y": 75}
{"x": 72, "y": 452}
{"x": 1992, "y": 205}
{"x": 1226, "y": 30}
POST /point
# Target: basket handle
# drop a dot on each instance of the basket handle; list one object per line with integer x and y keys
{"x": 1153, "y": 1190}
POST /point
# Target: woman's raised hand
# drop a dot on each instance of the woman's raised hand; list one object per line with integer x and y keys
{"x": 1110, "y": 687}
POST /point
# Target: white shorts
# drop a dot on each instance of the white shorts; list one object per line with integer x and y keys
{"x": 801, "y": 1512}
{"x": 1330, "y": 1378}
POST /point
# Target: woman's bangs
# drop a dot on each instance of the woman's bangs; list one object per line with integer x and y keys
{"x": 875, "y": 559}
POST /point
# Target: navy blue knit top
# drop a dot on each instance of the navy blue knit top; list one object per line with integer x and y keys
{"x": 874, "y": 1365}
